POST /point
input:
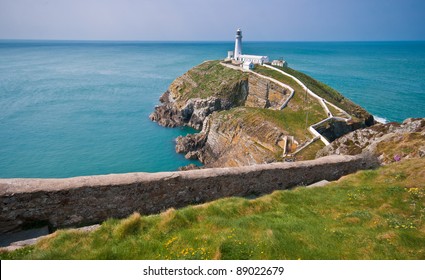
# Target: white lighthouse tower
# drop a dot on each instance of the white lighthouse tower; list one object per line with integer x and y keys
{"x": 238, "y": 58}
{"x": 238, "y": 45}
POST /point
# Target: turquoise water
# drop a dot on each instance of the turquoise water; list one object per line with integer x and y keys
{"x": 81, "y": 108}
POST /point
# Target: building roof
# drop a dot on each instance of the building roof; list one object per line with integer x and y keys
{"x": 253, "y": 56}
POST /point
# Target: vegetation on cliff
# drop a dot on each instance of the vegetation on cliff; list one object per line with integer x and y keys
{"x": 207, "y": 80}
{"x": 203, "y": 98}
{"x": 374, "y": 214}
{"x": 330, "y": 95}
{"x": 387, "y": 141}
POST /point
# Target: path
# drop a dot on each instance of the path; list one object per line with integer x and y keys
{"x": 324, "y": 103}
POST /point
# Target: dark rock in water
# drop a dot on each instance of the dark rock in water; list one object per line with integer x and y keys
{"x": 192, "y": 114}
{"x": 190, "y": 143}
{"x": 167, "y": 115}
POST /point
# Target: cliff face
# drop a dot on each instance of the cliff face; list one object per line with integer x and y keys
{"x": 389, "y": 142}
{"x": 238, "y": 115}
{"x": 212, "y": 87}
{"x": 198, "y": 93}
{"x": 241, "y": 136}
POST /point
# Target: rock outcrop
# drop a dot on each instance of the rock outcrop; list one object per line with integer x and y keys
{"x": 201, "y": 91}
{"x": 211, "y": 87}
{"x": 389, "y": 142}
{"x": 238, "y": 116}
{"x": 192, "y": 113}
{"x": 235, "y": 138}
{"x": 334, "y": 129}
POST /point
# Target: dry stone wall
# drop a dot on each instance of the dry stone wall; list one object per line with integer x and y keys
{"x": 93, "y": 199}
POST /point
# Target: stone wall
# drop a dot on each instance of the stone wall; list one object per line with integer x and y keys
{"x": 93, "y": 199}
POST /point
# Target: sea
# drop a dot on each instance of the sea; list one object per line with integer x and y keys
{"x": 74, "y": 108}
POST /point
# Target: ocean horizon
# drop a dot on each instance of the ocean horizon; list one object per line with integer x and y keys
{"x": 76, "y": 107}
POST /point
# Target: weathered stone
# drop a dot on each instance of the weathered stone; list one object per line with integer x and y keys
{"x": 191, "y": 155}
{"x": 232, "y": 142}
{"x": 190, "y": 142}
{"x": 318, "y": 184}
{"x": 93, "y": 199}
{"x": 368, "y": 139}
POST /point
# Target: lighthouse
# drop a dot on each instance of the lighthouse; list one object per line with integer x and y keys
{"x": 236, "y": 57}
{"x": 238, "y": 44}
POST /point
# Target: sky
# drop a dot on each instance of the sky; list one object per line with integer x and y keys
{"x": 213, "y": 20}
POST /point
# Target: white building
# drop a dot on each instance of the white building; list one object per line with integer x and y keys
{"x": 238, "y": 56}
{"x": 229, "y": 55}
{"x": 281, "y": 63}
{"x": 248, "y": 65}
{"x": 256, "y": 59}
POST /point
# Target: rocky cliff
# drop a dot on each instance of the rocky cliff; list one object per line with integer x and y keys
{"x": 238, "y": 137}
{"x": 199, "y": 92}
{"x": 212, "y": 87}
{"x": 389, "y": 142}
{"x": 238, "y": 116}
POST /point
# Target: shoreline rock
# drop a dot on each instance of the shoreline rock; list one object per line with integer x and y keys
{"x": 389, "y": 142}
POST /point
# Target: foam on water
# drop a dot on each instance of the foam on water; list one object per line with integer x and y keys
{"x": 380, "y": 120}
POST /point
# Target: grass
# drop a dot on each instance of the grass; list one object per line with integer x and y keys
{"x": 311, "y": 151}
{"x": 301, "y": 101}
{"x": 327, "y": 93}
{"x": 374, "y": 214}
{"x": 210, "y": 79}
{"x": 406, "y": 145}
{"x": 291, "y": 121}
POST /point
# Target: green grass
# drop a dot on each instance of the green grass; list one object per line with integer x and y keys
{"x": 211, "y": 79}
{"x": 406, "y": 145}
{"x": 278, "y": 76}
{"x": 301, "y": 103}
{"x": 311, "y": 151}
{"x": 328, "y": 93}
{"x": 291, "y": 121}
{"x": 374, "y": 214}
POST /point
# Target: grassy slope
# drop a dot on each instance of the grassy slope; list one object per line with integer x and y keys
{"x": 375, "y": 214}
{"x": 328, "y": 93}
{"x": 288, "y": 120}
{"x": 300, "y": 108}
{"x": 301, "y": 102}
{"x": 311, "y": 151}
{"x": 210, "y": 79}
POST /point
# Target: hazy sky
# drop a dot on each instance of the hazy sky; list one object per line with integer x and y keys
{"x": 198, "y": 20}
